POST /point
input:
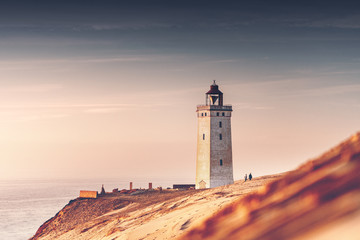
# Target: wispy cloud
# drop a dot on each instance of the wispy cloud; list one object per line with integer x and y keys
{"x": 322, "y": 91}
{"x": 82, "y": 27}
{"x": 347, "y": 22}
{"x": 224, "y": 61}
{"x": 33, "y": 112}
{"x": 65, "y": 63}
{"x": 277, "y": 82}
{"x": 103, "y": 110}
{"x": 250, "y": 106}
{"x": 332, "y": 90}
{"x": 107, "y": 60}
{"x": 71, "y": 106}
{"x": 36, "y": 88}
{"x": 31, "y": 117}
{"x": 87, "y": 108}
{"x": 44, "y": 116}
{"x": 131, "y": 26}
{"x": 81, "y": 60}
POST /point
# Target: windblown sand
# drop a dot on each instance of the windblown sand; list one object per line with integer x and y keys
{"x": 319, "y": 200}
{"x": 152, "y": 215}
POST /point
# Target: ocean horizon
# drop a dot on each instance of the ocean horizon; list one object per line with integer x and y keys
{"x": 25, "y": 204}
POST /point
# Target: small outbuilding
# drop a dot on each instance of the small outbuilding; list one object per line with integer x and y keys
{"x": 183, "y": 186}
{"x": 88, "y": 194}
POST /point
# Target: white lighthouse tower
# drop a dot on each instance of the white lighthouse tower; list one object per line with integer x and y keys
{"x": 214, "y": 165}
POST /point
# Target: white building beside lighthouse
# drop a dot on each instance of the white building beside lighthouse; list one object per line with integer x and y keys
{"x": 214, "y": 165}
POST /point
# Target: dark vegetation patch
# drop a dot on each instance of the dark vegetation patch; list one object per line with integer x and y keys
{"x": 185, "y": 225}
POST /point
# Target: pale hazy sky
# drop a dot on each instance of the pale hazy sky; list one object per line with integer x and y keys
{"x": 107, "y": 89}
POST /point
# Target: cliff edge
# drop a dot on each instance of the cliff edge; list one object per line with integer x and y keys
{"x": 162, "y": 214}
{"x": 319, "y": 200}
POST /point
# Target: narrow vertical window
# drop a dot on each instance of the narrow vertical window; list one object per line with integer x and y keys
{"x": 221, "y": 163}
{"x": 202, "y": 114}
{"x": 205, "y": 114}
{"x": 220, "y": 124}
{"x": 204, "y": 136}
{"x": 220, "y": 136}
{"x": 217, "y": 114}
{"x": 223, "y": 114}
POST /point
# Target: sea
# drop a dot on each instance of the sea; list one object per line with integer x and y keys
{"x": 26, "y": 204}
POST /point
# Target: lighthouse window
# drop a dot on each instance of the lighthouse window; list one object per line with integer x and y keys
{"x": 223, "y": 114}
{"x": 221, "y": 163}
{"x": 220, "y": 124}
{"x": 220, "y": 136}
{"x": 204, "y": 136}
{"x": 217, "y": 114}
{"x": 205, "y": 114}
{"x": 202, "y": 114}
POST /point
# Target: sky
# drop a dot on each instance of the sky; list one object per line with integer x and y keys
{"x": 108, "y": 89}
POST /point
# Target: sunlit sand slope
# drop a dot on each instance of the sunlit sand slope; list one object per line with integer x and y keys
{"x": 159, "y": 215}
{"x": 319, "y": 200}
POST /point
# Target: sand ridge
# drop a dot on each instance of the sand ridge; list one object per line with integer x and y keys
{"x": 152, "y": 215}
{"x": 319, "y": 200}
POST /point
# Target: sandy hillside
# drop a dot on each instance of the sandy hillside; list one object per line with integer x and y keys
{"x": 152, "y": 215}
{"x": 319, "y": 200}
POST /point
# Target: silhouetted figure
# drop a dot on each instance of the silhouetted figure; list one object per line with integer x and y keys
{"x": 102, "y": 190}
{"x": 250, "y": 176}
{"x": 245, "y": 177}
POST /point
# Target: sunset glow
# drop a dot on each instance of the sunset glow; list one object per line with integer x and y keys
{"x": 114, "y": 94}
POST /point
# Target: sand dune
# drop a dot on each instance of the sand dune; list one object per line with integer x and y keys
{"x": 319, "y": 200}
{"x": 159, "y": 215}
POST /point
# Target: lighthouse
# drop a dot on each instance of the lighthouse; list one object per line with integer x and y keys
{"x": 214, "y": 165}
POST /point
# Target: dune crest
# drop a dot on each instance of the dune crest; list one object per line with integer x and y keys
{"x": 153, "y": 214}
{"x": 319, "y": 200}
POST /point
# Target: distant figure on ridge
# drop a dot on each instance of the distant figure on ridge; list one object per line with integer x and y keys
{"x": 102, "y": 190}
{"x": 245, "y": 177}
{"x": 250, "y": 176}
